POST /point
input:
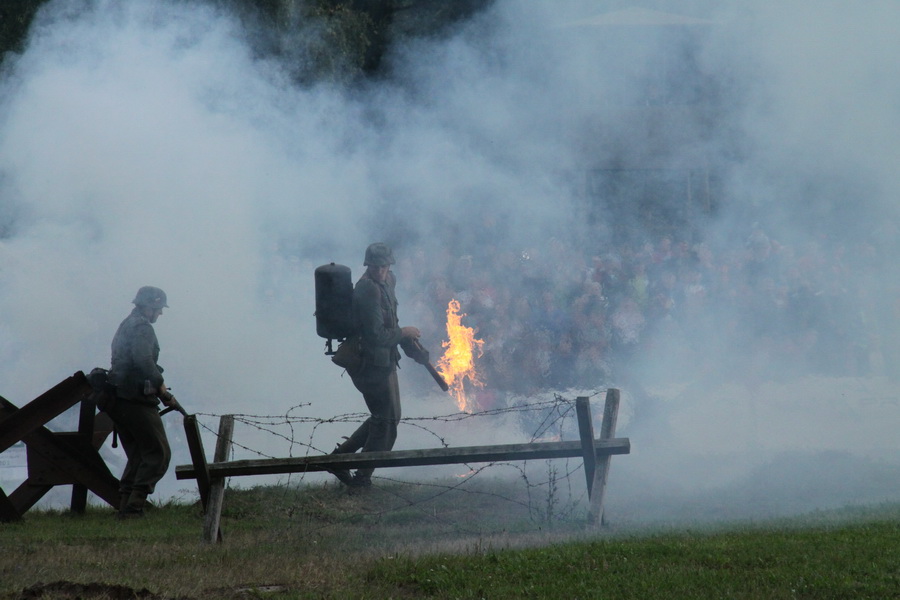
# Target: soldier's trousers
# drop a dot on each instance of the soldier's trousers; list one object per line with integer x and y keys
{"x": 143, "y": 437}
{"x": 381, "y": 392}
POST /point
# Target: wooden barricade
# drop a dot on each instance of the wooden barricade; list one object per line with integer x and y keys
{"x": 57, "y": 458}
{"x": 595, "y": 451}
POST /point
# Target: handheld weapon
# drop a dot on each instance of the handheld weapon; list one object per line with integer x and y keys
{"x": 169, "y": 400}
{"x": 413, "y": 349}
{"x": 173, "y": 405}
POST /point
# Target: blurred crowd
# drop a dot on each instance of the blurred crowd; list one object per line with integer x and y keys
{"x": 558, "y": 316}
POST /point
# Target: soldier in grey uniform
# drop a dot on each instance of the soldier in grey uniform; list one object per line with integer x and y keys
{"x": 375, "y": 318}
{"x": 139, "y": 386}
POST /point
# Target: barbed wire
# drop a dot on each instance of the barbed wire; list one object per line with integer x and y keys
{"x": 542, "y": 495}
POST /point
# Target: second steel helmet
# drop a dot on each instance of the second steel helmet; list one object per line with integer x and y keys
{"x": 379, "y": 254}
{"x": 151, "y": 297}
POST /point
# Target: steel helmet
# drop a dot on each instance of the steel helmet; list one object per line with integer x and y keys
{"x": 379, "y": 254}
{"x": 151, "y": 297}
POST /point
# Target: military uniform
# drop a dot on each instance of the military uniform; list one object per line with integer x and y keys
{"x": 375, "y": 318}
{"x": 136, "y": 376}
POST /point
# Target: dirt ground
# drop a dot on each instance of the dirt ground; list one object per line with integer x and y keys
{"x": 67, "y": 590}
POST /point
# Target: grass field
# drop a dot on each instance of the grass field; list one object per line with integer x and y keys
{"x": 412, "y": 542}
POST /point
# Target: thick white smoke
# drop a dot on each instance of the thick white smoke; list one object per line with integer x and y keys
{"x": 146, "y": 144}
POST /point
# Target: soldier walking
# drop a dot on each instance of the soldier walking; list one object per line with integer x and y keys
{"x": 139, "y": 387}
{"x": 375, "y": 318}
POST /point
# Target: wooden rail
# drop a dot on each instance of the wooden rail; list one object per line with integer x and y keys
{"x": 405, "y": 458}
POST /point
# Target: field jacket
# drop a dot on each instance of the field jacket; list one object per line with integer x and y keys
{"x": 135, "y": 351}
{"x": 375, "y": 317}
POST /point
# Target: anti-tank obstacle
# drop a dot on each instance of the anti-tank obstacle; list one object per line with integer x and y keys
{"x": 57, "y": 458}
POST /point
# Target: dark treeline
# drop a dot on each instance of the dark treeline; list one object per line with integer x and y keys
{"x": 15, "y": 19}
{"x": 316, "y": 39}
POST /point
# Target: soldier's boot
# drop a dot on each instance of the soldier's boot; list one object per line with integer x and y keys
{"x": 343, "y": 475}
{"x": 123, "y": 502}
{"x": 134, "y": 507}
{"x": 362, "y": 479}
{"x": 361, "y": 482}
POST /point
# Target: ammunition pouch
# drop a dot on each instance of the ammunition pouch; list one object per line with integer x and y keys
{"x": 103, "y": 393}
{"x": 349, "y": 355}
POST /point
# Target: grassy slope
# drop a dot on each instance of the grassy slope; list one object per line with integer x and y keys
{"x": 401, "y": 542}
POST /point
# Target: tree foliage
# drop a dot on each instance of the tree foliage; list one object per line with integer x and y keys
{"x": 15, "y": 20}
{"x": 344, "y": 40}
{"x": 318, "y": 40}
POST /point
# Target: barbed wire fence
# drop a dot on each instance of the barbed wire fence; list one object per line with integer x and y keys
{"x": 549, "y": 494}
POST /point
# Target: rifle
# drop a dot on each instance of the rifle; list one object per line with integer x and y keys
{"x": 413, "y": 349}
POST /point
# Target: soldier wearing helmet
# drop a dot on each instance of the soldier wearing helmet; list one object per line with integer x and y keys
{"x": 375, "y": 318}
{"x": 139, "y": 385}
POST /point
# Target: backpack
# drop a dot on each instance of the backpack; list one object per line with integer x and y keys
{"x": 334, "y": 315}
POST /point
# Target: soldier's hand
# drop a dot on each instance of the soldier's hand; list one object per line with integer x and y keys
{"x": 167, "y": 398}
{"x": 410, "y": 332}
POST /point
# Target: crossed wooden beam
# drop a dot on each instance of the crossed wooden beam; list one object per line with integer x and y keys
{"x": 57, "y": 458}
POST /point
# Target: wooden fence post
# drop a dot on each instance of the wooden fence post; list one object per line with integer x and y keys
{"x": 212, "y": 518}
{"x": 601, "y": 473}
{"x": 586, "y": 434}
{"x": 198, "y": 458}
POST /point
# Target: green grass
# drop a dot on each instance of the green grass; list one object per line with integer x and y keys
{"x": 858, "y": 561}
{"x": 419, "y": 542}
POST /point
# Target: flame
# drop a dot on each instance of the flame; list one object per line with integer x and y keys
{"x": 458, "y": 363}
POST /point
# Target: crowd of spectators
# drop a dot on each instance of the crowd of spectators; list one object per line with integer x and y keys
{"x": 558, "y": 317}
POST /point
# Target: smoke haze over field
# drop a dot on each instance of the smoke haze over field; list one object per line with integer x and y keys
{"x": 148, "y": 144}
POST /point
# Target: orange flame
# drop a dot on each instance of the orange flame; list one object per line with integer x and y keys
{"x": 458, "y": 363}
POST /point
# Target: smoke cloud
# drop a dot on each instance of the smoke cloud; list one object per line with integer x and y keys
{"x": 512, "y": 163}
